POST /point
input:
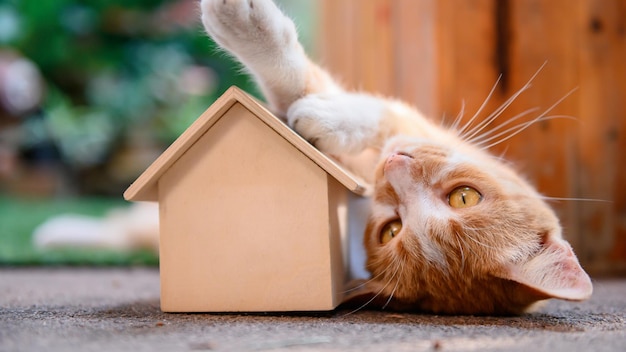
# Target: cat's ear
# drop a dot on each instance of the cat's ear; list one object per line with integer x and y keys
{"x": 554, "y": 272}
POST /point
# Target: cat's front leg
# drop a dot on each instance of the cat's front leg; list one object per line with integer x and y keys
{"x": 341, "y": 123}
{"x": 262, "y": 38}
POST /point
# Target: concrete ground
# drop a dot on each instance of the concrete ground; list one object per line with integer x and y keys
{"x": 118, "y": 310}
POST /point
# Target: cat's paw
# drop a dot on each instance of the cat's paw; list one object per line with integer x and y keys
{"x": 337, "y": 123}
{"x": 247, "y": 27}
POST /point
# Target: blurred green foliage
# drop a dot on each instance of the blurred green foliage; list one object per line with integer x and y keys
{"x": 115, "y": 70}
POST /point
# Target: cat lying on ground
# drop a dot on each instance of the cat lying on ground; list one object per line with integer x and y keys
{"x": 452, "y": 228}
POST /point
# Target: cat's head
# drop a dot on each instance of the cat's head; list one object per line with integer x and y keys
{"x": 455, "y": 230}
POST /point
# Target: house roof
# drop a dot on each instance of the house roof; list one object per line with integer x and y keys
{"x": 145, "y": 186}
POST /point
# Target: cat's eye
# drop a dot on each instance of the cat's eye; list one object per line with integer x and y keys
{"x": 464, "y": 196}
{"x": 390, "y": 230}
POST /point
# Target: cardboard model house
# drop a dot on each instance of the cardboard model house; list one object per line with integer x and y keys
{"x": 252, "y": 217}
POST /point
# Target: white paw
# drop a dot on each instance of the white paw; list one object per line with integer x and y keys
{"x": 247, "y": 27}
{"x": 337, "y": 123}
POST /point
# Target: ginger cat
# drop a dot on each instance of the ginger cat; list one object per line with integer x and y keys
{"x": 452, "y": 228}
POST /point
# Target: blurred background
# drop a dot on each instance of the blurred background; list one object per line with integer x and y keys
{"x": 92, "y": 91}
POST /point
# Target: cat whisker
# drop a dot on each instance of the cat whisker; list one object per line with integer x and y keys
{"x": 557, "y": 199}
{"x": 459, "y": 117}
{"x": 525, "y": 125}
{"x": 464, "y": 243}
{"x": 461, "y": 132}
{"x": 442, "y": 120}
{"x": 494, "y": 115}
{"x": 481, "y": 137}
{"x": 394, "y": 288}
{"x": 476, "y": 229}
{"x": 517, "y": 129}
{"x": 479, "y": 242}
{"x": 361, "y": 285}
{"x": 374, "y": 297}
{"x": 501, "y": 158}
{"x": 462, "y": 253}
{"x": 504, "y": 233}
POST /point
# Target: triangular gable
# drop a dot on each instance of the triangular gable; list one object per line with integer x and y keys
{"x": 145, "y": 186}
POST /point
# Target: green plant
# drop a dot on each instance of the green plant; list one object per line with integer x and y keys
{"x": 113, "y": 68}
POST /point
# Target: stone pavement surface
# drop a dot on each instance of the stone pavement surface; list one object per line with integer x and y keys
{"x": 77, "y": 309}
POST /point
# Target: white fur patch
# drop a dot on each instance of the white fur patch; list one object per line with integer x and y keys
{"x": 123, "y": 229}
{"x": 338, "y": 123}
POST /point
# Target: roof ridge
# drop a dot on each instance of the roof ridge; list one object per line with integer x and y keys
{"x": 144, "y": 187}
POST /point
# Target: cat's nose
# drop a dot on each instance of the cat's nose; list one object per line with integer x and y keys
{"x": 404, "y": 154}
{"x": 399, "y": 155}
{"x": 396, "y": 159}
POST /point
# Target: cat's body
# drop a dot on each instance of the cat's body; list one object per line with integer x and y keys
{"x": 452, "y": 229}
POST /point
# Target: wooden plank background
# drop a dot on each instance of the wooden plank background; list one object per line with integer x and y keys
{"x": 441, "y": 54}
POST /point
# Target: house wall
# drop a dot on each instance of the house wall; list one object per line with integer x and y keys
{"x": 338, "y": 232}
{"x": 245, "y": 224}
{"x": 443, "y": 54}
